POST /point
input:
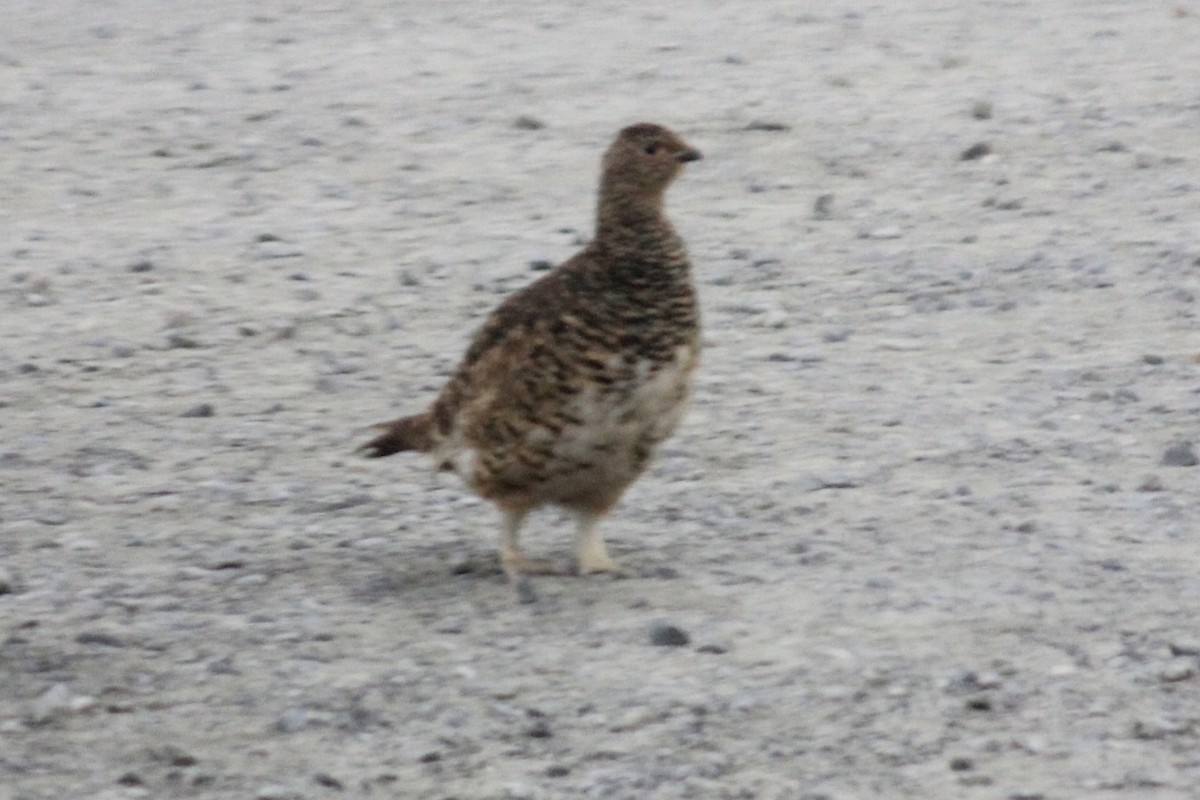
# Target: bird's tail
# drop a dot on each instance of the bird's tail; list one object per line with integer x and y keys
{"x": 406, "y": 433}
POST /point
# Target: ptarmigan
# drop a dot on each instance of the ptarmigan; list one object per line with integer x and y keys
{"x": 572, "y": 382}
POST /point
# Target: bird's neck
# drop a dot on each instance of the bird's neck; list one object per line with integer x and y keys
{"x": 638, "y": 247}
{"x": 624, "y": 214}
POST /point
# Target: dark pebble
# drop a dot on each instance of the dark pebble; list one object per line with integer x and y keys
{"x": 714, "y": 649}
{"x": 961, "y": 764}
{"x": 982, "y": 110}
{"x": 528, "y": 123}
{"x": 432, "y": 757}
{"x": 463, "y": 567}
{"x": 130, "y": 779}
{"x": 99, "y": 638}
{"x": 202, "y": 410}
{"x": 541, "y": 265}
{"x": 540, "y": 729}
{"x": 979, "y": 703}
{"x": 525, "y": 591}
{"x": 1152, "y": 359}
{"x": 141, "y": 266}
{"x": 823, "y": 207}
{"x": 178, "y": 341}
{"x": 557, "y": 771}
{"x": 1180, "y": 454}
{"x": 759, "y": 125}
{"x": 664, "y": 634}
{"x": 174, "y": 756}
{"x": 1151, "y": 483}
{"x": 975, "y": 151}
{"x": 327, "y": 780}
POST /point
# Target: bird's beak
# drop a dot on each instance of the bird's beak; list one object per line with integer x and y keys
{"x": 691, "y": 154}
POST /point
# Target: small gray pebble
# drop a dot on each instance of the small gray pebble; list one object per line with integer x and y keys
{"x": 1157, "y": 728}
{"x": 525, "y": 591}
{"x": 1151, "y": 483}
{"x": 176, "y": 757}
{"x": 541, "y": 265}
{"x": 979, "y": 703}
{"x": 836, "y": 336}
{"x": 1123, "y": 396}
{"x": 528, "y": 123}
{"x": 1179, "y": 669}
{"x": 771, "y": 127}
{"x": 664, "y": 634}
{"x": 141, "y": 266}
{"x": 202, "y": 410}
{"x": 99, "y": 638}
{"x": 463, "y": 566}
{"x": 975, "y": 151}
{"x": 823, "y": 207}
{"x": 540, "y": 729}
{"x": 328, "y": 781}
{"x": 1152, "y": 359}
{"x": 982, "y": 110}
{"x": 178, "y": 341}
{"x": 1180, "y": 454}
{"x": 292, "y": 720}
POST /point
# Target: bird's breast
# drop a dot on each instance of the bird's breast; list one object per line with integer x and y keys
{"x": 637, "y": 409}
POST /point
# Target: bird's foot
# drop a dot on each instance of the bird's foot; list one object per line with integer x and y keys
{"x": 596, "y": 564}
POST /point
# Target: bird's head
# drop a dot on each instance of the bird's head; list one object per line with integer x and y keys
{"x": 645, "y": 158}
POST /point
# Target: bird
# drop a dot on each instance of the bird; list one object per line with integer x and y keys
{"x": 573, "y": 381}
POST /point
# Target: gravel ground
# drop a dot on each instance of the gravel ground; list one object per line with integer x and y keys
{"x": 928, "y": 529}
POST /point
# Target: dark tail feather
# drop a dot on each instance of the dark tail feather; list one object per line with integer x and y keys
{"x": 408, "y": 433}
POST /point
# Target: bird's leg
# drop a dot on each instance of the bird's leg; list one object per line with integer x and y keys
{"x": 591, "y": 555}
{"x": 514, "y": 562}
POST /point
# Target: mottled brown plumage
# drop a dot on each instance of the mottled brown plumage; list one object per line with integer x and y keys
{"x": 573, "y": 381}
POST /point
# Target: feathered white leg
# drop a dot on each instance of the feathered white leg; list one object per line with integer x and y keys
{"x": 591, "y": 554}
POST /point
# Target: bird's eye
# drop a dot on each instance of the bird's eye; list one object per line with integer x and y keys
{"x": 651, "y": 149}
